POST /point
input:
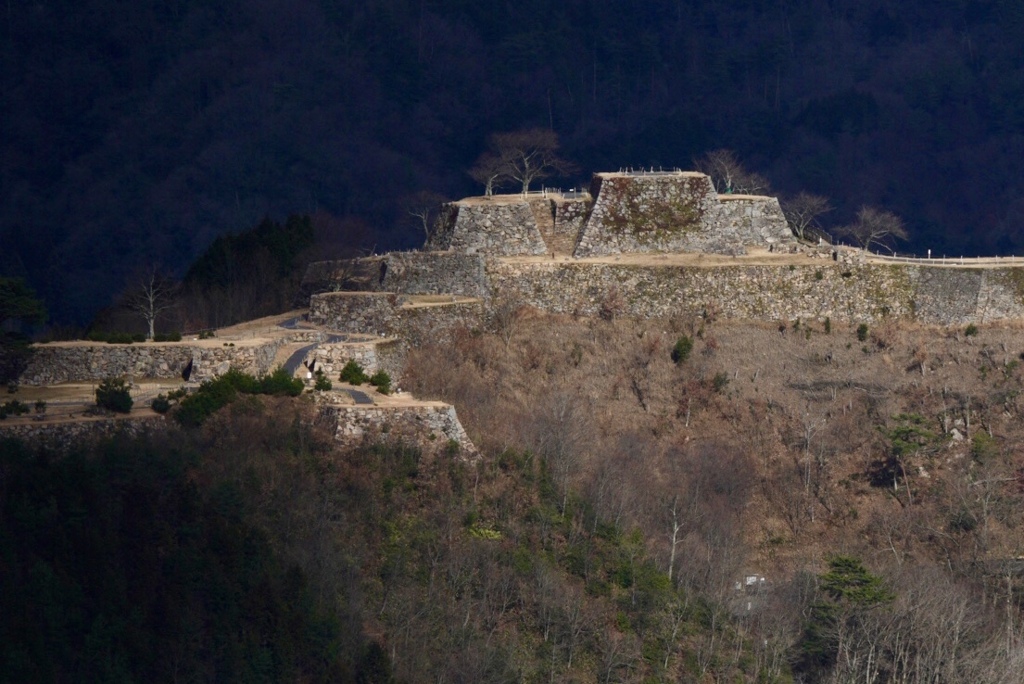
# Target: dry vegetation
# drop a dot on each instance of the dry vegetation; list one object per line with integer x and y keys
{"x": 771, "y": 449}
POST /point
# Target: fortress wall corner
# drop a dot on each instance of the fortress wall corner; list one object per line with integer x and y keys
{"x": 495, "y": 227}
{"x": 654, "y": 213}
{"x": 752, "y": 220}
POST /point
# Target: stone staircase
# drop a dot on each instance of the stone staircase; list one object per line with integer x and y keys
{"x": 560, "y": 244}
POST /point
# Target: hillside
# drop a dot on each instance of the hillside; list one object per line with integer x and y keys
{"x": 768, "y": 451}
{"x": 687, "y": 499}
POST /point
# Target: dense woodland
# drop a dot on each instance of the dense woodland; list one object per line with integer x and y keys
{"x": 135, "y": 134}
{"x": 631, "y": 477}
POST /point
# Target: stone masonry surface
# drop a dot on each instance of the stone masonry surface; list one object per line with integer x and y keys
{"x": 55, "y": 363}
{"x": 391, "y": 315}
{"x": 62, "y": 436}
{"x": 433, "y": 427}
{"x": 845, "y": 290}
{"x": 676, "y": 212}
{"x": 859, "y": 293}
{"x": 401, "y": 272}
{"x": 386, "y": 355}
{"x": 499, "y": 227}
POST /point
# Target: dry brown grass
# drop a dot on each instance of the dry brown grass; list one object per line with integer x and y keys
{"x": 809, "y": 408}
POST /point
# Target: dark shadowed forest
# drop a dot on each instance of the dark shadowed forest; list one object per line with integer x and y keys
{"x": 136, "y": 133}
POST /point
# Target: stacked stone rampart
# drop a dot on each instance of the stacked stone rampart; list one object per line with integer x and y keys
{"x": 388, "y": 314}
{"x": 64, "y": 435}
{"x": 433, "y": 427}
{"x": 571, "y": 215}
{"x": 739, "y": 292}
{"x": 59, "y": 362}
{"x": 864, "y": 293}
{"x": 432, "y": 273}
{"x": 484, "y": 226}
{"x": 255, "y": 359}
{"x": 753, "y": 220}
{"x": 330, "y": 358}
{"x": 676, "y": 212}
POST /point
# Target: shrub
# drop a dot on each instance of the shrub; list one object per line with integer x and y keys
{"x": 214, "y": 394}
{"x": 113, "y": 395}
{"x": 138, "y": 337}
{"x": 160, "y": 404}
{"x": 113, "y": 337}
{"x": 971, "y": 330}
{"x": 862, "y": 332}
{"x": 167, "y": 337}
{"x": 322, "y": 382}
{"x": 279, "y": 383}
{"x": 818, "y": 275}
{"x": 207, "y": 334}
{"x": 12, "y": 408}
{"x": 175, "y": 395}
{"x": 681, "y": 351}
{"x": 828, "y": 326}
{"x": 40, "y": 406}
{"x": 720, "y": 381}
{"x": 983, "y": 447}
{"x": 382, "y": 381}
{"x": 353, "y": 373}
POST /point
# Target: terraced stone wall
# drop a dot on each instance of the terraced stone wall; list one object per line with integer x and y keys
{"x": 84, "y": 362}
{"x": 842, "y": 292}
{"x": 434, "y": 428}
{"x": 391, "y": 315}
{"x": 499, "y": 227}
{"x": 388, "y": 356}
{"x": 64, "y": 435}
{"x": 677, "y": 212}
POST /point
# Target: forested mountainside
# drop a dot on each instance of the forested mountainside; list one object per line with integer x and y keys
{"x": 136, "y": 134}
{"x": 678, "y": 500}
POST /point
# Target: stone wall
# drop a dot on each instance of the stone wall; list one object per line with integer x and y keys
{"x": 255, "y": 359}
{"x": 500, "y": 227}
{"x": 739, "y": 292}
{"x": 61, "y": 436}
{"x": 842, "y": 292}
{"x": 753, "y": 220}
{"x": 432, "y": 273}
{"x": 391, "y": 315}
{"x": 356, "y": 312}
{"x": 433, "y": 428}
{"x": 571, "y": 215}
{"x": 676, "y": 212}
{"x": 58, "y": 362}
{"x": 66, "y": 362}
{"x": 386, "y": 355}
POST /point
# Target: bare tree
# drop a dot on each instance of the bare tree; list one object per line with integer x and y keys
{"x": 425, "y": 207}
{"x": 506, "y": 315}
{"x": 802, "y": 212}
{"x": 530, "y": 155}
{"x": 150, "y": 294}
{"x": 491, "y": 171}
{"x": 729, "y": 175}
{"x": 875, "y": 227}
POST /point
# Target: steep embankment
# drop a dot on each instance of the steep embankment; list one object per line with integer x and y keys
{"x": 768, "y": 449}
